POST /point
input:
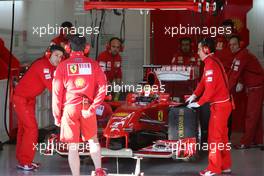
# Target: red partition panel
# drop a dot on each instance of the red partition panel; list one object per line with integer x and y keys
{"x": 15, "y": 66}
{"x": 4, "y": 61}
{"x": 163, "y": 46}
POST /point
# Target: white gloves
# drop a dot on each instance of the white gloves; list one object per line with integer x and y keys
{"x": 191, "y": 98}
{"x": 239, "y": 87}
{"x": 193, "y": 105}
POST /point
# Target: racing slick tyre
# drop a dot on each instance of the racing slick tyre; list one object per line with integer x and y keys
{"x": 182, "y": 123}
{"x": 204, "y": 116}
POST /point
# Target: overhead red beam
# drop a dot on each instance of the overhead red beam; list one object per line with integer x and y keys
{"x": 164, "y": 5}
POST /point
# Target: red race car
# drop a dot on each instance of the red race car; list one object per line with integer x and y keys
{"x": 149, "y": 124}
{"x": 153, "y": 126}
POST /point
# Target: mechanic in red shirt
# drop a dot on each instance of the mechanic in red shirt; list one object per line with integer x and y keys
{"x": 222, "y": 50}
{"x": 213, "y": 88}
{"x": 79, "y": 87}
{"x": 33, "y": 83}
{"x": 185, "y": 56}
{"x": 110, "y": 60}
{"x": 62, "y": 39}
{"x": 225, "y": 55}
{"x": 246, "y": 71}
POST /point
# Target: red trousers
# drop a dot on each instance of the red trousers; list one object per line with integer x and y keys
{"x": 253, "y": 122}
{"x": 27, "y": 129}
{"x": 219, "y": 150}
{"x": 73, "y": 124}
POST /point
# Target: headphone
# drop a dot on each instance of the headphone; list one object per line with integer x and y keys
{"x": 206, "y": 49}
{"x": 49, "y": 51}
{"x": 206, "y": 42}
{"x": 108, "y": 44}
{"x": 86, "y": 50}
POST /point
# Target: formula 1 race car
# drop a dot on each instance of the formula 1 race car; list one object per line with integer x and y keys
{"x": 150, "y": 126}
{"x": 153, "y": 126}
{"x": 147, "y": 125}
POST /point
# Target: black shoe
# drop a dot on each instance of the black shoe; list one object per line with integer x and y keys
{"x": 241, "y": 147}
{"x": 227, "y": 171}
{"x": 26, "y": 167}
{"x": 36, "y": 165}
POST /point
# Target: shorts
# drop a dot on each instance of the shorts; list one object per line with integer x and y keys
{"x": 73, "y": 125}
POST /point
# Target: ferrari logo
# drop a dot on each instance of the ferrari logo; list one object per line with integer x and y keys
{"x": 79, "y": 82}
{"x": 160, "y": 116}
{"x": 73, "y": 68}
{"x": 238, "y": 24}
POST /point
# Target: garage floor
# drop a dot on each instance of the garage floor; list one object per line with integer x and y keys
{"x": 246, "y": 163}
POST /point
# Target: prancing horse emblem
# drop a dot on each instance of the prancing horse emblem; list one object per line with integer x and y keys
{"x": 73, "y": 68}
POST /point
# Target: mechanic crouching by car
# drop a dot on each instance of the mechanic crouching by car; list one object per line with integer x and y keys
{"x": 213, "y": 88}
{"x": 79, "y": 87}
{"x": 33, "y": 83}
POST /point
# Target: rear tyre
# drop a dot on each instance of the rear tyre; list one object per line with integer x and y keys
{"x": 183, "y": 123}
{"x": 204, "y": 116}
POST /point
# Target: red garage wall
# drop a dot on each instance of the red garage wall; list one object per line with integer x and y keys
{"x": 163, "y": 46}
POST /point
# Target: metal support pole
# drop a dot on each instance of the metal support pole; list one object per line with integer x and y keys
{"x": 117, "y": 166}
{"x": 137, "y": 169}
{"x": 1, "y": 146}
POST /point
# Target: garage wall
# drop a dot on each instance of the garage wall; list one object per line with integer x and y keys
{"x": 3, "y": 135}
{"x": 6, "y": 12}
{"x": 19, "y": 25}
{"x": 41, "y": 13}
{"x": 134, "y": 53}
{"x": 256, "y": 28}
